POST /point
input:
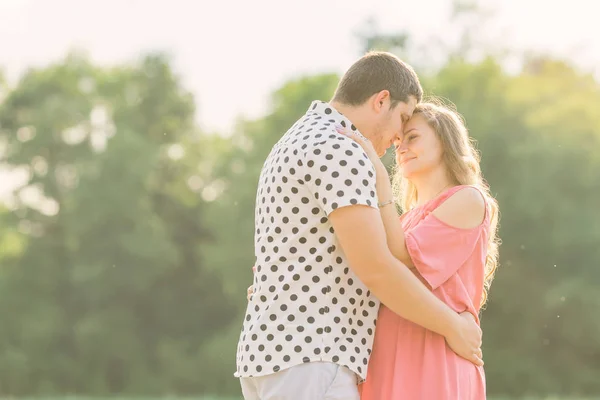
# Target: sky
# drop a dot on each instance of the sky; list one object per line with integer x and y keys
{"x": 233, "y": 54}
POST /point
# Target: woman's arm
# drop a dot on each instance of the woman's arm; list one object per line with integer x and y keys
{"x": 393, "y": 227}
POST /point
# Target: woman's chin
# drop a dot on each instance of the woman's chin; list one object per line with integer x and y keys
{"x": 406, "y": 172}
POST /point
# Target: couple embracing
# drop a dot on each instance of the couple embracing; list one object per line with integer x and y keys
{"x": 351, "y": 300}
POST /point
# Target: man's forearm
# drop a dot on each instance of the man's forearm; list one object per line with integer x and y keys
{"x": 402, "y": 292}
{"x": 394, "y": 284}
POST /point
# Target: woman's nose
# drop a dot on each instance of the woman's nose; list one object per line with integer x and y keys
{"x": 400, "y": 146}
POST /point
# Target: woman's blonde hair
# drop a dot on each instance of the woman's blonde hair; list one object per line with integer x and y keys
{"x": 462, "y": 163}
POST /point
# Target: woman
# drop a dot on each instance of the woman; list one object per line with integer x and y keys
{"x": 447, "y": 236}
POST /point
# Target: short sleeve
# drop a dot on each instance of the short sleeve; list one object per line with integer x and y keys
{"x": 438, "y": 250}
{"x": 339, "y": 173}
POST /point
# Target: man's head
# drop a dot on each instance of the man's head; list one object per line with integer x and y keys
{"x": 378, "y": 94}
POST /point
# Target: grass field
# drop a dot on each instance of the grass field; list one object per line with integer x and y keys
{"x": 489, "y": 398}
{"x": 240, "y": 398}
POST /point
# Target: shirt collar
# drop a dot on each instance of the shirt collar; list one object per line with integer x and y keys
{"x": 325, "y": 110}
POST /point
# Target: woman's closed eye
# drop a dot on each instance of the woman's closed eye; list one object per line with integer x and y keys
{"x": 409, "y": 135}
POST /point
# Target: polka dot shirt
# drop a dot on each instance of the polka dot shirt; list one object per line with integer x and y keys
{"x": 308, "y": 305}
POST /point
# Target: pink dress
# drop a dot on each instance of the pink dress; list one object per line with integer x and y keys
{"x": 408, "y": 361}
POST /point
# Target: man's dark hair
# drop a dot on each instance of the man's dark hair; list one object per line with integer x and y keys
{"x": 374, "y": 72}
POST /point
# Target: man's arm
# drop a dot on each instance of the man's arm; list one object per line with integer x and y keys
{"x": 347, "y": 196}
{"x": 362, "y": 236}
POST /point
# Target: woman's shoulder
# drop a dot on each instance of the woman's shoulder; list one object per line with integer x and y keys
{"x": 462, "y": 207}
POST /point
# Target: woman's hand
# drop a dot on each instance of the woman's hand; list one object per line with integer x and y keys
{"x": 362, "y": 142}
{"x": 384, "y": 189}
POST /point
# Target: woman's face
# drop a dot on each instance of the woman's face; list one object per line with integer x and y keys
{"x": 418, "y": 150}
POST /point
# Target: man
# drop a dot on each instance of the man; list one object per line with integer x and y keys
{"x": 323, "y": 263}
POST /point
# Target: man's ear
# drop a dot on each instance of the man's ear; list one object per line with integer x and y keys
{"x": 380, "y": 101}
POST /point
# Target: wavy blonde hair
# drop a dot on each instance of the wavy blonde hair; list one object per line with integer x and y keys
{"x": 462, "y": 163}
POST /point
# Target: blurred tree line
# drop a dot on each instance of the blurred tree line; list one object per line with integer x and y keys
{"x": 126, "y": 249}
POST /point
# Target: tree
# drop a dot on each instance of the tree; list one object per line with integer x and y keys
{"x": 110, "y": 294}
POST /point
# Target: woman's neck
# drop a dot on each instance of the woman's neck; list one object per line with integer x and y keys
{"x": 430, "y": 185}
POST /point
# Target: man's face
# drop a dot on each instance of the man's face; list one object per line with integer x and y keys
{"x": 390, "y": 125}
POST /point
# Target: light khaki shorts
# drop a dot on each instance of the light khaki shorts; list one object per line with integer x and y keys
{"x": 310, "y": 381}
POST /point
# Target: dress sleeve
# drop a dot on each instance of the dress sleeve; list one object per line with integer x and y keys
{"x": 438, "y": 250}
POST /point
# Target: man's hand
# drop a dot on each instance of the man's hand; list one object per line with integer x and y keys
{"x": 250, "y": 290}
{"x": 466, "y": 339}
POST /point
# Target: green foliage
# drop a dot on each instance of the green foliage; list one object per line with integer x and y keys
{"x": 103, "y": 288}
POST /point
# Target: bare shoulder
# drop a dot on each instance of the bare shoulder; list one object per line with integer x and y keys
{"x": 465, "y": 209}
